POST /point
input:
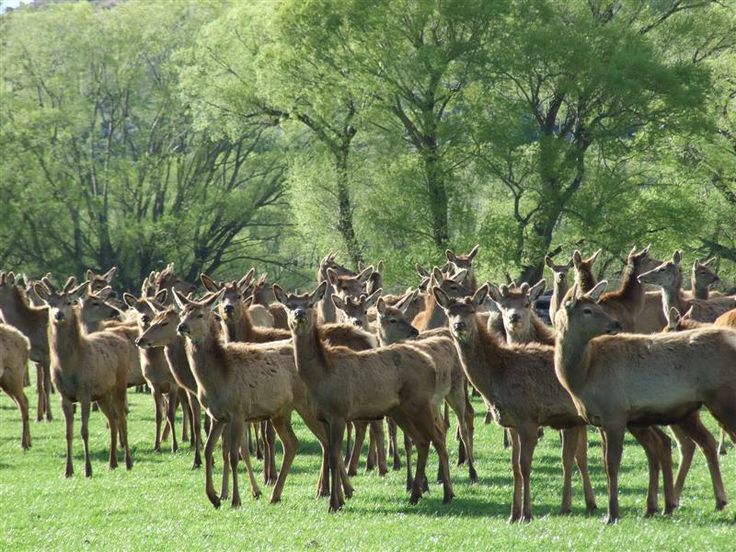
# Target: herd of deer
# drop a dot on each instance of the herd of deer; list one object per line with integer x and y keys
{"x": 345, "y": 356}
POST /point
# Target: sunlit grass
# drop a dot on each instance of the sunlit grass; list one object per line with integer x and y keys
{"x": 161, "y": 504}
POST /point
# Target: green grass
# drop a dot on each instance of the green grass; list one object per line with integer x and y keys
{"x": 161, "y": 503}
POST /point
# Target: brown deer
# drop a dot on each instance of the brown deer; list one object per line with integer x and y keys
{"x": 701, "y": 277}
{"x": 86, "y": 368}
{"x": 263, "y": 296}
{"x": 155, "y": 368}
{"x": 241, "y": 382}
{"x": 634, "y": 380}
{"x": 14, "y": 353}
{"x": 327, "y": 311}
{"x": 668, "y": 275}
{"x": 465, "y": 262}
{"x": 433, "y": 316}
{"x": 559, "y": 284}
{"x": 95, "y": 310}
{"x": 393, "y": 327}
{"x": 520, "y": 383}
{"x": 32, "y": 322}
{"x": 521, "y": 324}
{"x": 398, "y": 381}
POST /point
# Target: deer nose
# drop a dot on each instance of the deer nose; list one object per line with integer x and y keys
{"x": 228, "y": 309}
{"x": 413, "y": 332}
{"x": 515, "y": 318}
{"x": 182, "y": 329}
{"x": 615, "y": 327}
{"x": 300, "y": 314}
{"x": 358, "y": 323}
{"x": 59, "y": 316}
{"x": 458, "y": 326}
{"x": 139, "y": 342}
{"x": 145, "y": 319}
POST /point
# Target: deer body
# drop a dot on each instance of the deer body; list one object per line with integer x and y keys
{"x": 14, "y": 354}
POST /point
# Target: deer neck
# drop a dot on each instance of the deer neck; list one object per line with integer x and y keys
{"x": 699, "y": 291}
{"x": 66, "y": 341}
{"x": 434, "y": 316}
{"x": 480, "y": 357}
{"x": 207, "y": 358}
{"x": 239, "y": 328}
{"x": 19, "y": 313}
{"x": 309, "y": 354}
{"x": 632, "y": 291}
{"x": 672, "y": 295}
{"x": 559, "y": 289}
{"x": 585, "y": 280}
{"x": 326, "y": 308}
{"x": 571, "y": 360}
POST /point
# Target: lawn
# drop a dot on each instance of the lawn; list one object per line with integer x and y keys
{"x": 161, "y": 504}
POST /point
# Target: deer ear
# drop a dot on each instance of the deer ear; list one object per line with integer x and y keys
{"x": 380, "y": 267}
{"x": 208, "y": 283}
{"x": 706, "y": 263}
{"x": 248, "y": 301}
{"x": 577, "y": 258}
{"x": 437, "y": 276}
{"x": 77, "y": 292}
{"x": 688, "y": 314}
{"x": 524, "y": 288}
{"x": 572, "y": 297}
{"x": 109, "y": 274}
{"x": 421, "y": 271}
{"x": 594, "y": 256}
{"x": 129, "y": 299}
{"x": 494, "y": 292}
{"x": 459, "y": 276}
{"x": 245, "y": 280}
{"x": 443, "y": 300}
{"x": 365, "y": 274}
{"x": 89, "y": 274}
{"x": 338, "y": 302}
{"x": 317, "y": 294}
{"x": 450, "y": 256}
{"x": 548, "y": 262}
{"x": 677, "y": 257}
{"x": 332, "y": 276}
{"x": 361, "y": 266}
{"x": 381, "y": 305}
{"x": 597, "y": 291}
{"x": 160, "y": 297}
{"x": 372, "y": 298}
{"x": 42, "y": 291}
{"x": 214, "y": 298}
{"x": 180, "y": 300}
{"x": 537, "y": 290}
{"x": 474, "y": 252}
{"x": 673, "y": 317}
{"x": 70, "y": 283}
{"x": 279, "y": 293}
{"x": 480, "y": 295}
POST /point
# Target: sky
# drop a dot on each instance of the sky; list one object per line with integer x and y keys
{"x": 5, "y": 4}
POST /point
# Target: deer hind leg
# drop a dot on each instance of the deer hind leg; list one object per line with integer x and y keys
{"x": 722, "y": 448}
{"x": 528, "y": 438}
{"x": 651, "y": 447}
{"x": 13, "y": 386}
{"x": 158, "y": 403}
{"x": 282, "y": 425}
{"x": 120, "y": 404}
{"x": 687, "y": 450}
{"x": 84, "y": 433}
{"x": 665, "y": 460}
{"x": 225, "y": 485}
{"x": 354, "y": 460}
{"x": 107, "y": 408}
{"x": 196, "y": 409}
{"x": 465, "y": 414}
{"x": 695, "y": 430}
{"x": 348, "y": 444}
{"x": 41, "y": 397}
{"x": 723, "y": 408}
{"x": 235, "y": 431}
{"x": 393, "y": 443}
{"x": 569, "y": 446}
{"x": 245, "y": 454}
{"x": 171, "y": 416}
{"x": 47, "y": 390}
{"x": 378, "y": 437}
{"x": 516, "y": 470}
{"x": 335, "y": 432}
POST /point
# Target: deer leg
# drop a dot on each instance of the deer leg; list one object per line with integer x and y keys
{"x": 120, "y": 405}
{"x": 409, "y": 474}
{"x": 158, "y": 400}
{"x": 235, "y": 429}
{"x": 216, "y": 429}
{"x": 648, "y": 442}
{"x": 614, "y": 450}
{"x": 336, "y": 429}
{"x": 378, "y": 437}
{"x": 282, "y": 425}
{"x": 687, "y": 451}
{"x": 225, "y": 485}
{"x": 84, "y": 433}
{"x": 722, "y": 449}
{"x": 47, "y": 390}
{"x": 665, "y": 460}
{"x": 269, "y": 452}
{"x": 569, "y": 446}
{"x": 14, "y": 388}
{"x": 196, "y": 409}
{"x": 171, "y": 416}
{"x": 417, "y": 490}
{"x": 354, "y": 460}
{"x": 394, "y": 445}
{"x": 245, "y": 453}
{"x": 465, "y": 414}
{"x": 68, "y": 410}
{"x": 106, "y": 406}
{"x": 349, "y": 445}
{"x": 581, "y": 459}
{"x": 693, "y": 427}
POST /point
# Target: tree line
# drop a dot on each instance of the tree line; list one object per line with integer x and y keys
{"x": 222, "y": 135}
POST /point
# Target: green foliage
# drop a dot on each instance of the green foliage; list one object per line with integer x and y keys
{"x": 221, "y": 136}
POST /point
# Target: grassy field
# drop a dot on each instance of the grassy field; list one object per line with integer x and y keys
{"x": 161, "y": 504}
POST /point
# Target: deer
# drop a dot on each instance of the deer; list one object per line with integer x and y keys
{"x": 95, "y": 309}
{"x": 393, "y": 327}
{"x": 521, "y": 324}
{"x": 433, "y": 316}
{"x": 348, "y": 285}
{"x": 86, "y": 368}
{"x": 263, "y": 296}
{"x": 668, "y": 275}
{"x": 32, "y": 322}
{"x": 355, "y": 312}
{"x": 559, "y": 283}
{"x": 155, "y": 368}
{"x": 14, "y": 354}
{"x": 701, "y": 277}
{"x": 465, "y": 262}
{"x": 327, "y": 311}
{"x": 520, "y": 383}
{"x": 399, "y": 381}
{"x": 603, "y": 371}
{"x": 241, "y": 382}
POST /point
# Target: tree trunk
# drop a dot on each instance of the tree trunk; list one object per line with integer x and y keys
{"x": 437, "y": 194}
{"x": 344, "y": 206}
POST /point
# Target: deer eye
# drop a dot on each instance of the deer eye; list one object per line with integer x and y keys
{"x": 164, "y": 324}
{"x": 392, "y": 320}
{"x": 95, "y": 304}
{"x": 200, "y": 316}
{"x": 661, "y": 269}
{"x": 587, "y": 311}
